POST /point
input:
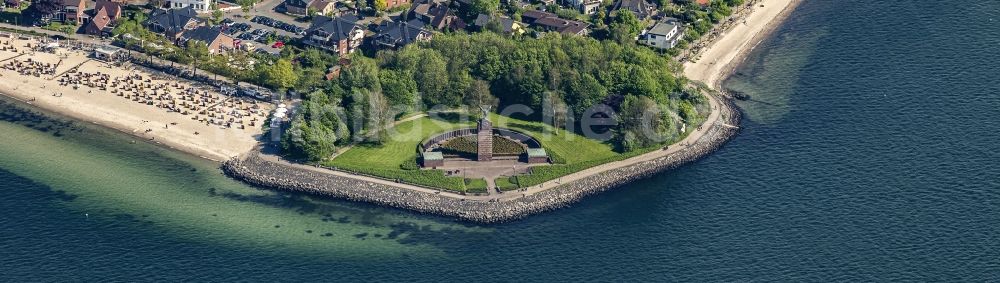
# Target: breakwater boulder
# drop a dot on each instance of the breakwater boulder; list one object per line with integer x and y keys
{"x": 257, "y": 170}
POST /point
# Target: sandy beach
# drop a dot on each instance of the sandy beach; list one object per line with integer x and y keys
{"x": 166, "y": 118}
{"x": 722, "y": 123}
{"x": 216, "y": 142}
{"x": 713, "y": 65}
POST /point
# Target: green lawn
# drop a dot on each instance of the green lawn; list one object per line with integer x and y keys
{"x": 506, "y": 183}
{"x": 401, "y": 147}
{"x": 396, "y": 158}
{"x": 564, "y": 146}
{"x": 475, "y": 185}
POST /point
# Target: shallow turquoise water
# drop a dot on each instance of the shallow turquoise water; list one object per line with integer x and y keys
{"x": 869, "y": 153}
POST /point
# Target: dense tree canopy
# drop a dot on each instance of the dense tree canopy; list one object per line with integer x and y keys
{"x": 625, "y": 26}
{"x": 558, "y": 78}
{"x": 43, "y": 8}
{"x": 488, "y": 7}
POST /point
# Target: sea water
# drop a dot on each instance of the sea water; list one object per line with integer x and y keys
{"x": 869, "y": 152}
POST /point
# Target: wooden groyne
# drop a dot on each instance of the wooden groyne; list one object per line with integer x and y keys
{"x": 259, "y": 171}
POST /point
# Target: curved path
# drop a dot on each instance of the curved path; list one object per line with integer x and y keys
{"x": 713, "y": 119}
{"x": 724, "y": 52}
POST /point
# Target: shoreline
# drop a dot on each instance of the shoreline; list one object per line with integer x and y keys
{"x": 732, "y": 46}
{"x": 190, "y": 150}
{"x": 139, "y": 113}
{"x": 262, "y": 171}
{"x": 250, "y": 166}
{"x": 736, "y": 43}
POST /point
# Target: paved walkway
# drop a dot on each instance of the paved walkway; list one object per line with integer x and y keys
{"x": 713, "y": 119}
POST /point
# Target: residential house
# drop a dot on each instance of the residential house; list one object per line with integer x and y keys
{"x": 213, "y": 37}
{"x": 323, "y": 7}
{"x": 201, "y": 6}
{"x": 550, "y": 22}
{"x": 298, "y": 7}
{"x": 106, "y": 14}
{"x": 640, "y": 8}
{"x": 530, "y": 16}
{"x": 664, "y": 35}
{"x": 587, "y": 7}
{"x": 507, "y": 25}
{"x": 341, "y": 35}
{"x": 389, "y": 4}
{"x": 114, "y": 8}
{"x": 173, "y": 22}
{"x": 72, "y": 11}
{"x": 437, "y": 15}
{"x": 395, "y": 35}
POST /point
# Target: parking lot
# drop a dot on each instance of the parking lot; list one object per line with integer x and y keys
{"x": 262, "y": 25}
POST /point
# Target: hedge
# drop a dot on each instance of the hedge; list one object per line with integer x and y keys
{"x": 428, "y": 178}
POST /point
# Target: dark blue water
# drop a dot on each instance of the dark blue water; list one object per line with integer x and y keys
{"x": 869, "y": 153}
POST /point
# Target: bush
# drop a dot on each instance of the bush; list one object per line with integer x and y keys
{"x": 504, "y": 146}
{"x": 555, "y": 157}
{"x": 428, "y": 178}
{"x": 410, "y": 165}
{"x": 467, "y": 146}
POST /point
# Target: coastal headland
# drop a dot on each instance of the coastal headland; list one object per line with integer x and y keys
{"x": 711, "y": 67}
{"x": 237, "y": 145}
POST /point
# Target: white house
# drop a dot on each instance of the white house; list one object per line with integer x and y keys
{"x": 663, "y": 35}
{"x": 587, "y": 7}
{"x": 202, "y": 6}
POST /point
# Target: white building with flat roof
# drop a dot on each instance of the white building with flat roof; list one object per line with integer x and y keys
{"x": 663, "y": 35}
{"x": 202, "y": 6}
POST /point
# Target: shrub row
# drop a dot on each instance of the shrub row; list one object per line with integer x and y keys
{"x": 428, "y": 178}
{"x": 468, "y": 145}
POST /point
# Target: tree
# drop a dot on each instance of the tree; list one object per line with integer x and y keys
{"x": 641, "y": 124}
{"x": 488, "y": 7}
{"x": 625, "y": 26}
{"x": 380, "y": 5}
{"x": 246, "y": 5}
{"x": 280, "y": 75}
{"x": 432, "y": 75}
{"x": 379, "y": 117}
{"x": 362, "y": 74}
{"x": 42, "y": 9}
{"x": 478, "y": 94}
{"x": 196, "y": 51}
{"x": 399, "y": 88}
{"x": 216, "y": 15}
{"x": 314, "y": 142}
{"x": 555, "y": 110}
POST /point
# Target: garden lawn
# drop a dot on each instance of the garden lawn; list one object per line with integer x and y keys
{"x": 401, "y": 147}
{"x": 563, "y": 146}
{"x": 396, "y": 158}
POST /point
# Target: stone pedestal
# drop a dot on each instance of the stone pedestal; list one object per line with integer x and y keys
{"x": 485, "y": 140}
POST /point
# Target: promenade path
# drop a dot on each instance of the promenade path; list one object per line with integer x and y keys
{"x": 713, "y": 119}
{"x": 716, "y": 61}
